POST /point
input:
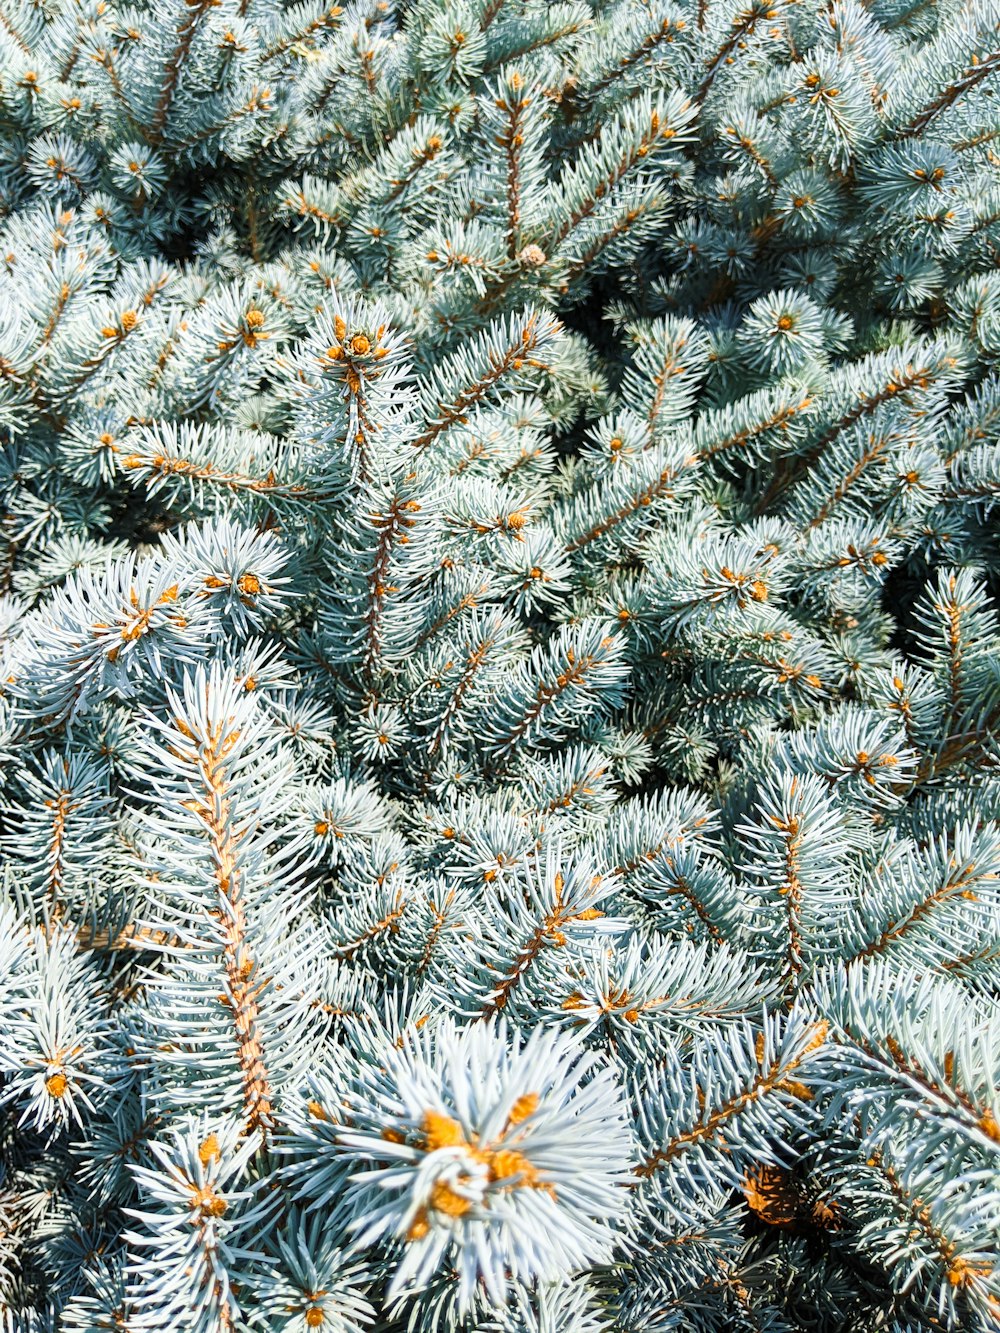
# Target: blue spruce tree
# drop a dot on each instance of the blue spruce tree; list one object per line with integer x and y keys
{"x": 499, "y": 673}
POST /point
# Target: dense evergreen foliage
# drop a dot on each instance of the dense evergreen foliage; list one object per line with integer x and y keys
{"x": 500, "y": 679}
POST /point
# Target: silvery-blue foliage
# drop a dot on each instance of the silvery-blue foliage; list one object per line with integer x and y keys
{"x": 499, "y": 666}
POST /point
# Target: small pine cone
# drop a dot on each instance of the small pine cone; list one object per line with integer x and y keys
{"x": 532, "y": 256}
